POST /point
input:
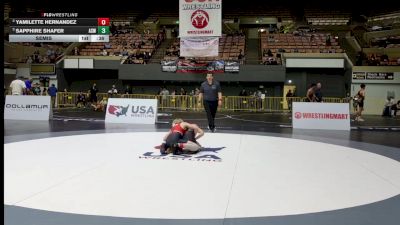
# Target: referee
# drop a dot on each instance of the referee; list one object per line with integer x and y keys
{"x": 211, "y": 90}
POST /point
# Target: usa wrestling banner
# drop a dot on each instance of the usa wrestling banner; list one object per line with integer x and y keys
{"x": 168, "y": 66}
{"x": 130, "y": 110}
{"x": 199, "y": 46}
{"x": 194, "y": 67}
{"x": 200, "y": 18}
{"x": 232, "y": 66}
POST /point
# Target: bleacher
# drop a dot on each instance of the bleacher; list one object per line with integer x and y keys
{"x": 382, "y": 60}
{"x": 163, "y": 13}
{"x": 126, "y": 17}
{"x": 383, "y": 50}
{"x": 320, "y": 17}
{"x": 384, "y": 16}
{"x": 386, "y": 42}
{"x": 262, "y": 11}
{"x": 132, "y": 43}
{"x": 7, "y": 10}
{"x": 33, "y": 52}
{"x": 172, "y": 53}
{"x": 302, "y": 43}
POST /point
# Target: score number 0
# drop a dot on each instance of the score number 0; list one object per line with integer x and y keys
{"x": 103, "y": 21}
{"x": 103, "y": 25}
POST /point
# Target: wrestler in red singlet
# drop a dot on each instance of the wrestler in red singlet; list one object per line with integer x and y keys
{"x": 177, "y": 128}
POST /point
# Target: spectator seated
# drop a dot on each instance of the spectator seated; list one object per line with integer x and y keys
{"x": 382, "y": 60}
{"x": 137, "y": 48}
{"x": 319, "y": 17}
{"x": 386, "y": 42}
{"x": 34, "y": 52}
{"x": 100, "y": 105}
{"x": 297, "y": 42}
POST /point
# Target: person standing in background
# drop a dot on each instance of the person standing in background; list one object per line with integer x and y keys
{"x": 310, "y": 96}
{"x": 93, "y": 93}
{"x": 318, "y": 93}
{"x": 64, "y": 97}
{"x": 17, "y": 87}
{"x": 53, "y": 93}
{"x": 36, "y": 89}
{"x": 196, "y": 92}
{"x": 395, "y": 108}
{"x": 360, "y": 98}
{"x": 76, "y": 51}
{"x": 211, "y": 94}
{"x": 28, "y": 84}
{"x": 289, "y": 99}
{"x": 113, "y": 91}
{"x": 128, "y": 90}
{"x": 243, "y": 92}
{"x": 44, "y": 92}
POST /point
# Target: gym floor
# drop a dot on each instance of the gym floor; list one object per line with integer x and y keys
{"x": 256, "y": 169}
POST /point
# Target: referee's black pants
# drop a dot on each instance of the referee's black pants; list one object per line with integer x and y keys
{"x": 211, "y": 109}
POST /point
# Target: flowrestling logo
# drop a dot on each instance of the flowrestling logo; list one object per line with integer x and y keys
{"x": 118, "y": 110}
{"x": 205, "y": 155}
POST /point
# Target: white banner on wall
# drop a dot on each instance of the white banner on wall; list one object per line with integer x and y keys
{"x": 314, "y": 63}
{"x": 128, "y": 110}
{"x": 322, "y": 116}
{"x": 199, "y": 46}
{"x": 200, "y": 18}
{"x": 27, "y": 107}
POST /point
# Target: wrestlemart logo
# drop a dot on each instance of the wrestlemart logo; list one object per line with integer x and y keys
{"x": 326, "y": 116}
{"x": 321, "y": 116}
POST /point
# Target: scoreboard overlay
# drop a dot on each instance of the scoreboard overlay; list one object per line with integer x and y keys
{"x": 59, "y": 30}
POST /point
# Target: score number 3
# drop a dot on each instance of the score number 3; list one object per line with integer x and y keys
{"x": 103, "y": 25}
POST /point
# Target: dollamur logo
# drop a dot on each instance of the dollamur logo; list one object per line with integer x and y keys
{"x": 118, "y": 110}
